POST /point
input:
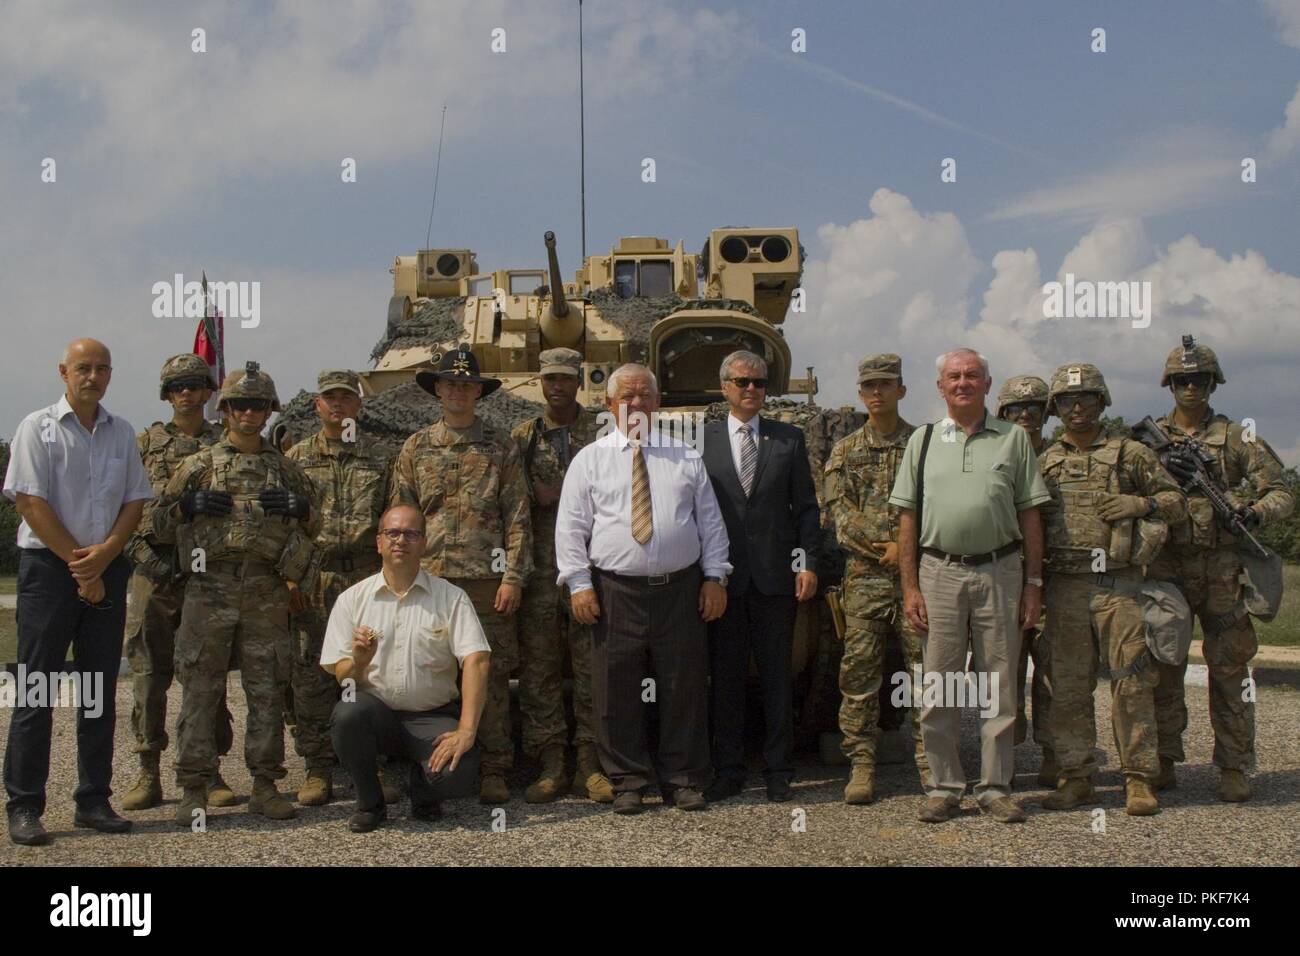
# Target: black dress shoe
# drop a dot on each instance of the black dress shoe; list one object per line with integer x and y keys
{"x": 688, "y": 798}
{"x": 363, "y": 821}
{"x": 426, "y": 811}
{"x": 779, "y": 790}
{"x": 629, "y": 801}
{"x": 723, "y": 788}
{"x": 102, "y": 818}
{"x": 25, "y": 828}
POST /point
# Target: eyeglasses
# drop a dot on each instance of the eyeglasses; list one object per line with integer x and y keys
{"x": 1022, "y": 408}
{"x": 1082, "y": 399}
{"x": 742, "y": 383}
{"x": 186, "y": 385}
{"x": 397, "y": 534}
{"x": 1200, "y": 380}
{"x": 248, "y": 405}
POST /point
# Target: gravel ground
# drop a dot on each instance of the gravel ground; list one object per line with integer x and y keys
{"x": 1195, "y": 828}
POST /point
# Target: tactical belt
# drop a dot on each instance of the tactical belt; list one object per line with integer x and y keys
{"x": 243, "y": 569}
{"x": 969, "y": 560}
{"x": 350, "y": 563}
{"x": 653, "y": 580}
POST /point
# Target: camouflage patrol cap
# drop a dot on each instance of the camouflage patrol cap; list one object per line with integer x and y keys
{"x": 561, "y": 361}
{"x": 1079, "y": 377}
{"x": 885, "y": 365}
{"x": 1021, "y": 388}
{"x": 1190, "y": 358}
{"x": 249, "y": 382}
{"x": 183, "y": 366}
{"x": 338, "y": 378}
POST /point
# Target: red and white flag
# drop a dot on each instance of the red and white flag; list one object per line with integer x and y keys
{"x": 210, "y": 345}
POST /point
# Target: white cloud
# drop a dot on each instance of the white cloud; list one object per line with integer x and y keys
{"x": 1287, "y": 15}
{"x": 900, "y": 281}
{"x": 1285, "y": 140}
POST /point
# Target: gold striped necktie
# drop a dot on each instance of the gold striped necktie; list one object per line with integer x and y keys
{"x": 642, "y": 513}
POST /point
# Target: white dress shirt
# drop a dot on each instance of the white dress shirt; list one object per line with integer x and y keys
{"x": 424, "y": 638}
{"x": 733, "y": 431}
{"x": 86, "y": 477}
{"x": 594, "y": 520}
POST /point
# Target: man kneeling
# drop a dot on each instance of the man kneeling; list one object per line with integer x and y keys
{"x": 394, "y": 642}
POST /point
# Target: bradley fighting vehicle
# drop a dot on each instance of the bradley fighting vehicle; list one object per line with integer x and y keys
{"x": 676, "y": 312}
{"x": 619, "y": 308}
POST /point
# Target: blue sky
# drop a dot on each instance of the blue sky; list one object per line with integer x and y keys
{"x": 1124, "y": 164}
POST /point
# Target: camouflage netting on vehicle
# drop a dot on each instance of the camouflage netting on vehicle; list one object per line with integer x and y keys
{"x": 395, "y": 414}
{"x": 635, "y": 316}
{"x": 435, "y": 322}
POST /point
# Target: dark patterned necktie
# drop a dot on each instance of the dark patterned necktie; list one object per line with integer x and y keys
{"x": 748, "y": 458}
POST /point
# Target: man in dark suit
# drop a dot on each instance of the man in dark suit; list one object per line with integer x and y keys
{"x": 763, "y": 482}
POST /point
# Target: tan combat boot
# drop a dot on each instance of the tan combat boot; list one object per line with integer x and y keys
{"x": 1140, "y": 802}
{"x": 492, "y": 788}
{"x": 318, "y": 789}
{"x": 1233, "y": 786}
{"x": 266, "y": 801}
{"x": 588, "y": 778}
{"x": 1166, "y": 779}
{"x": 1050, "y": 772}
{"x": 194, "y": 798}
{"x": 219, "y": 792}
{"x": 862, "y": 784}
{"x": 147, "y": 792}
{"x": 552, "y": 782}
{"x": 1072, "y": 792}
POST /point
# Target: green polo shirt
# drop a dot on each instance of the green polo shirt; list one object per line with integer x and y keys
{"x": 974, "y": 485}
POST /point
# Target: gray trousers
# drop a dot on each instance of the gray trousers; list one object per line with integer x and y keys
{"x": 982, "y": 603}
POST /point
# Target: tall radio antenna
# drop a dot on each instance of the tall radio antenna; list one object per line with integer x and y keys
{"x": 582, "y": 139}
{"x": 436, "y": 170}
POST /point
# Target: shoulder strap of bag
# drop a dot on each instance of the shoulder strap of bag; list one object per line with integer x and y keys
{"x": 920, "y": 487}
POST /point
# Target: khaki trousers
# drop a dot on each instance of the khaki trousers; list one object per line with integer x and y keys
{"x": 979, "y": 603}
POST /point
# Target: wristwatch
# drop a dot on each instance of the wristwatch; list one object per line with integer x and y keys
{"x": 715, "y": 579}
{"x": 1152, "y": 507}
{"x": 1036, "y": 582}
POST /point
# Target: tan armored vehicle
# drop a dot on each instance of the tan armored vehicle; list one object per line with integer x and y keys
{"x": 641, "y": 302}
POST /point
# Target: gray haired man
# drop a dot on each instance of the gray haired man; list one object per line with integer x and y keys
{"x": 975, "y": 481}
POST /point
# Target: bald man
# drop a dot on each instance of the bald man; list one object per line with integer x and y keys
{"x": 76, "y": 478}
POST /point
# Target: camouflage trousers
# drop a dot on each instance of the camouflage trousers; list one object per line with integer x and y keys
{"x": 494, "y": 727}
{"x": 315, "y": 691}
{"x": 873, "y": 615}
{"x": 151, "y": 625}
{"x": 546, "y": 630}
{"x": 1210, "y": 582}
{"x": 1085, "y": 622}
{"x": 1033, "y": 646}
{"x": 225, "y": 615}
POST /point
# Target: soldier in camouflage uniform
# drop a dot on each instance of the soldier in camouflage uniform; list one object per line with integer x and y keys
{"x": 1023, "y": 400}
{"x": 546, "y": 628}
{"x": 856, "y": 484}
{"x": 350, "y": 475}
{"x": 1202, "y": 559}
{"x": 241, "y": 513}
{"x": 466, "y": 476}
{"x": 1107, "y": 496}
{"x": 157, "y": 585}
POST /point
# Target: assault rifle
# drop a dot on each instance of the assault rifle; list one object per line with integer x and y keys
{"x": 1202, "y": 479}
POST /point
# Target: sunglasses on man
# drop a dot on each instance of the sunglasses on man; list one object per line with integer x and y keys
{"x": 1200, "y": 380}
{"x": 186, "y": 385}
{"x": 744, "y": 382}
{"x": 248, "y": 405}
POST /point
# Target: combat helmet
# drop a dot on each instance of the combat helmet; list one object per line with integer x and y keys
{"x": 250, "y": 382}
{"x": 183, "y": 366}
{"x": 1021, "y": 388}
{"x": 1190, "y": 357}
{"x": 1078, "y": 377}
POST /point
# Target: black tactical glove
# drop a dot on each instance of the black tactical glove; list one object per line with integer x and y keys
{"x": 215, "y": 503}
{"x": 1248, "y": 515}
{"x": 1182, "y": 465}
{"x": 278, "y": 501}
